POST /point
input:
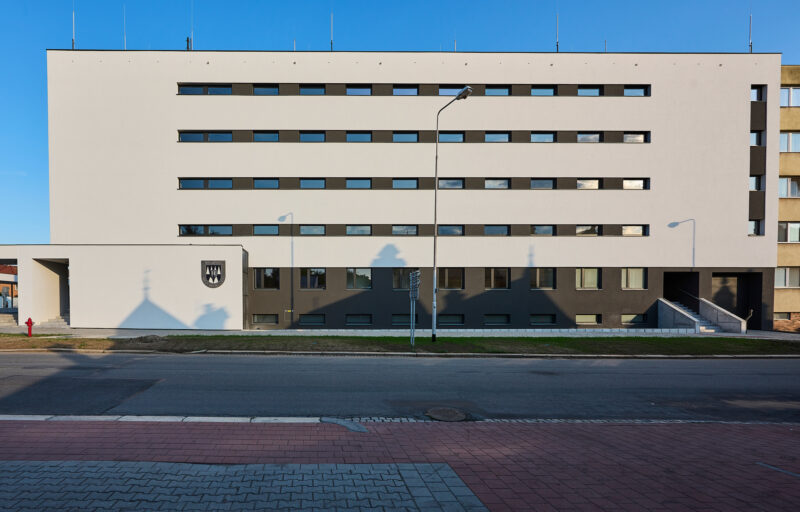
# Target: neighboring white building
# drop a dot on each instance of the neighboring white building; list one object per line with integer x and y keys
{"x": 161, "y": 160}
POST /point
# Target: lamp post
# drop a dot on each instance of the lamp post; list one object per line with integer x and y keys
{"x": 694, "y": 233}
{"x": 283, "y": 218}
{"x": 462, "y": 94}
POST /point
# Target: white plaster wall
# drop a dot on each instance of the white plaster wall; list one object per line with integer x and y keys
{"x": 114, "y": 159}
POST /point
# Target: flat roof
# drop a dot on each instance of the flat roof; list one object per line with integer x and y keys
{"x": 412, "y": 51}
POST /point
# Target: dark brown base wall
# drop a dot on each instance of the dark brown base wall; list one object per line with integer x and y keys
{"x": 790, "y": 325}
{"x": 745, "y": 288}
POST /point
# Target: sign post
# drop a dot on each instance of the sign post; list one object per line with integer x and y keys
{"x": 413, "y": 295}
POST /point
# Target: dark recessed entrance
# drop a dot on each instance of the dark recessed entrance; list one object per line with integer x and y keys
{"x": 739, "y": 293}
{"x": 683, "y": 287}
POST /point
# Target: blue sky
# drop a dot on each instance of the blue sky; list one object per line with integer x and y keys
{"x": 28, "y": 27}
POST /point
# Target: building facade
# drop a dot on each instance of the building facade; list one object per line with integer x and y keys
{"x": 575, "y": 190}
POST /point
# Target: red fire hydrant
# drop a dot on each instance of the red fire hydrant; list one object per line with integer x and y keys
{"x": 29, "y": 323}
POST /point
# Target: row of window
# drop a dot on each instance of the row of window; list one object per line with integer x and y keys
{"x": 790, "y": 96}
{"x": 411, "y": 230}
{"x": 408, "y": 183}
{"x": 405, "y": 136}
{"x": 789, "y": 232}
{"x": 405, "y": 90}
{"x": 451, "y": 319}
{"x": 789, "y": 186}
{"x": 542, "y": 278}
{"x": 790, "y": 142}
{"x": 787, "y": 277}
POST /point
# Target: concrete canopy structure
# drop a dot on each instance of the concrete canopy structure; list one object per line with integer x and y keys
{"x": 575, "y": 189}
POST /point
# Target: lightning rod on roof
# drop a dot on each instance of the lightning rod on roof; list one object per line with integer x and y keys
{"x": 331, "y": 30}
{"x": 556, "y": 32}
{"x": 124, "y": 30}
{"x": 73, "y": 24}
{"x": 750, "y": 34}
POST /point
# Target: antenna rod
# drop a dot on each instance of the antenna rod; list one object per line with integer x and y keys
{"x": 556, "y": 32}
{"x": 294, "y": 45}
{"x": 605, "y": 45}
{"x": 331, "y": 30}
{"x": 191, "y": 29}
{"x": 124, "y": 30}
{"x": 455, "y": 45}
{"x": 750, "y": 36}
{"x": 73, "y": 24}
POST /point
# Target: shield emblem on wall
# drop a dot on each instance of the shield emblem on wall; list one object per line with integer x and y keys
{"x": 212, "y": 273}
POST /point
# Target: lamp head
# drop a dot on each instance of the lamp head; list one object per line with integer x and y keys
{"x": 463, "y": 93}
{"x": 673, "y": 224}
{"x": 282, "y": 218}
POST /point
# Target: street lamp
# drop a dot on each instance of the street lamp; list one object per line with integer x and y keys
{"x": 284, "y": 218}
{"x": 462, "y": 95}
{"x": 694, "y": 231}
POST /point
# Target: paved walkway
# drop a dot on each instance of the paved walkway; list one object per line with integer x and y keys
{"x": 508, "y": 466}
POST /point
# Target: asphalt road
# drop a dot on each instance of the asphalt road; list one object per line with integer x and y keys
{"x": 740, "y": 390}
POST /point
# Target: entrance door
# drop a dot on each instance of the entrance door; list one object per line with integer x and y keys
{"x": 739, "y": 293}
{"x": 683, "y": 287}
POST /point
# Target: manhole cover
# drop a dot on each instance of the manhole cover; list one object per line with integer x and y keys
{"x": 445, "y": 414}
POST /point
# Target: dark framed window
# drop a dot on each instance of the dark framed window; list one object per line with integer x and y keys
{"x": 312, "y": 89}
{"x": 543, "y": 278}
{"x": 497, "y": 137}
{"x": 265, "y": 89}
{"x": 497, "y": 183}
{"x": 220, "y": 136}
{"x": 405, "y": 136}
{"x": 267, "y": 278}
{"x": 191, "y": 183}
{"x": 634, "y": 279}
{"x": 405, "y": 183}
{"x": 542, "y": 319}
{"x": 312, "y": 278}
{"x": 451, "y": 278}
{"x": 191, "y": 136}
{"x": 220, "y": 230}
{"x": 543, "y": 137}
{"x": 404, "y": 230}
{"x": 755, "y": 138}
{"x": 312, "y": 320}
{"x": 636, "y": 184}
{"x": 543, "y": 230}
{"x": 497, "y": 319}
{"x": 588, "y": 230}
{"x": 266, "y": 136}
{"x": 450, "y": 319}
{"x": 497, "y": 90}
{"x": 358, "y": 183}
{"x": 587, "y": 279}
{"x": 359, "y": 278}
{"x": 405, "y": 90}
{"x": 359, "y": 137}
{"x": 633, "y": 318}
{"x": 588, "y": 184}
{"x": 220, "y": 183}
{"x": 312, "y": 183}
{"x": 265, "y": 318}
{"x": 496, "y": 230}
{"x": 404, "y": 319}
{"x": 220, "y": 90}
{"x": 359, "y": 90}
{"x": 451, "y": 183}
{"x": 543, "y": 90}
{"x": 358, "y": 230}
{"x": 543, "y": 183}
{"x": 312, "y": 230}
{"x": 754, "y": 184}
{"x": 357, "y": 319}
{"x": 451, "y": 230}
{"x": 497, "y": 278}
{"x": 639, "y": 137}
{"x": 590, "y": 90}
{"x": 635, "y": 230}
{"x": 636, "y": 90}
{"x": 451, "y": 136}
{"x": 401, "y": 278}
{"x": 312, "y": 136}
{"x": 191, "y": 90}
{"x": 588, "y": 319}
{"x": 590, "y": 137}
{"x": 266, "y": 183}
{"x": 265, "y": 230}
{"x": 191, "y": 230}
{"x": 450, "y": 89}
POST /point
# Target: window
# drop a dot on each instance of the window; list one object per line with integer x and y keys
{"x": 191, "y": 230}
{"x": 358, "y": 230}
{"x": 755, "y": 138}
{"x": 587, "y": 279}
{"x": 220, "y": 183}
{"x": 543, "y": 230}
{"x": 401, "y": 278}
{"x": 790, "y": 142}
{"x": 220, "y": 136}
{"x": 191, "y": 183}
{"x": 589, "y": 90}
{"x": 449, "y": 90}
{"x": 359, "y": 278}
{"x": 312, "y": 90}
{"x": 496, "y": 230}
{"x": 359, "y": 90}
{"x": 359, "y": 137}
{"x": 628, "y": 318}
{"x": 634, "y": 279}
{"x": 405, "y": 136}
{"x": 404, "y": 230}
{"x": 789, "y": 232}
{"x": 543, "y": 278}
{"x": 588, "y": 184}
{"x": 266, "y": 137}
{"x": 312, "y": 183}
{"x": 312, "y": 230}
{"x": 358, "y": 183}
{"x": 308, "y": 320}
{"x": 312, "y": 136}
{"x": 497, "y": 137}
{"x": 497, "y": 183}
{"x": 543, "y": 137}
{"x": 756, "y": 93}
{"x": 590, "y": 319}
{"x": 267, "y": 279}
{"x": 450, "y": 319}
{"x": 543, "y": 90}
{"x": 496, "y": 319}
{"x": 405, "y": 183}
{"x": 405, "y": 90}
{"x": 220, "y": 230}
{"x": 754, "y": 184}
{"x": 636, "y": 184}
{"x": 497, "y": 90}
{"x": 636, "y": 90}
{"x": 191, "y": 137}
{"x": 451, "y": 230}
{"x": 787, "y": 277}
{"x": 451, "y": 278}
{"x": 265, "y": 230}
{"x": 635, "y": 137}
{"x": 755, "y": 228}
{"x": 265, "y": 90}
{"x": 542, "y": 184}
{"x": 781, "y": 316}
{"x": 496, "y": 279}
{"x": 220, "y": 89}
{"x": 787, "y": 187}
{"x": 190, "y": 89}
{"x": 539, "y": 319}
{"x": 312, "y": 278}
{"x": 587, "y": 230}
{"x": 354, "y": 319}
{"x": 451, "y": 183}
{"x": 589, "y": 137}
{"x": 790, "y": 96}
{"x": 265, "y": 183}
{"x": 451, "y": 136}
{"x": 404, "y": 319}
{"x": 634, "y": 230}
{"x": 265, "y": 319}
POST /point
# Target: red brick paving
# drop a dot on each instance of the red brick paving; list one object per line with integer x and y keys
{"x": 509, "y": 466}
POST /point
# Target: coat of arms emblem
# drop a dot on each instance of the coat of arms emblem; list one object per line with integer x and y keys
{"x": 212, "y": 273}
